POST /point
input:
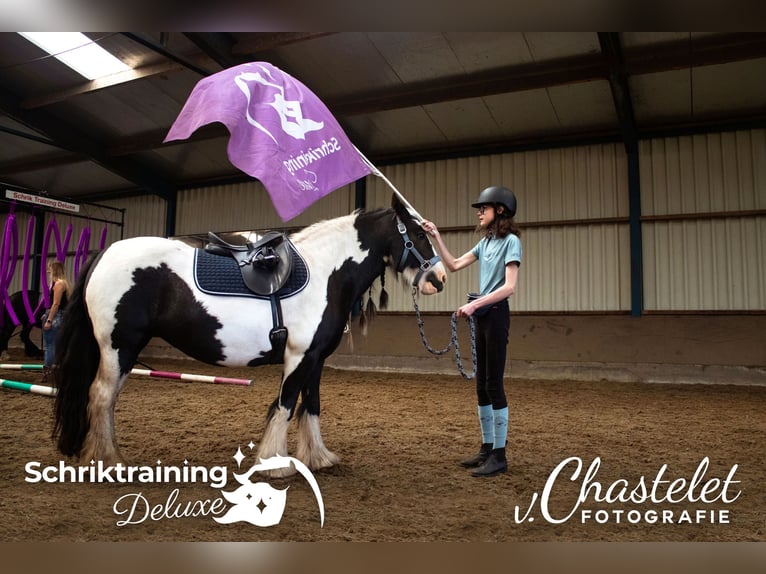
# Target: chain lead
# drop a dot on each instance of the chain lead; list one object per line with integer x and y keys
{"x": 453, "y": 340}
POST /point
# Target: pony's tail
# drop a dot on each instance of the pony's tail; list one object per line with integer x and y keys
{"x": 76, "y": 364}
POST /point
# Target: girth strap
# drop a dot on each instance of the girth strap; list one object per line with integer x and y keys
{"x": 278, "y": 333}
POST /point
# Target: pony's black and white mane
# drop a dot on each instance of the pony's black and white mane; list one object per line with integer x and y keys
{"x": 144, "y": 287}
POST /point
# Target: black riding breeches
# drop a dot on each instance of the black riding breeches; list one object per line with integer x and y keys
{"x": 491, "y": 345}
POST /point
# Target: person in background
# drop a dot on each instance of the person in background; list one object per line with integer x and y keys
{"x": 60, "y": 289}
{"x": 499, "y": 257}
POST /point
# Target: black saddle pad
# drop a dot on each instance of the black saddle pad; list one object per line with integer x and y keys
{"x": 220, "y": 275}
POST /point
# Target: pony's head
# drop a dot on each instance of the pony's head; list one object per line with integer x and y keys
{"x": 412, "y": 254}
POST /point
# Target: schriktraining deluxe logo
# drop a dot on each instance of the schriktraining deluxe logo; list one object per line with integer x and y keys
{"x": 257, "y": 503}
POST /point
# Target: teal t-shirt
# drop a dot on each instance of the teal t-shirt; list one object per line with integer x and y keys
{"x": 493, "y": 255}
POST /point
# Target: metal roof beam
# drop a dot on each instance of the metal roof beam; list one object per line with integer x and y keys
{"x": 67, "y": 136}
{"x": 28, "y": 136}
{"x": 618, "y": 82}
{"x": 218, "y": 46}
{"x": 33, "y": 102}
{"x": 498, "y": 81}
{"x": 41, "y": 162}
{"x": 262, "y": 41}
{"x": 169, "y": 54}
{"x": 692, "y": 53}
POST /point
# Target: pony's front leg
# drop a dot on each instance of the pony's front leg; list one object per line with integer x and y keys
{"x": 311, "y": 449}
{"x": 274, "y": 441}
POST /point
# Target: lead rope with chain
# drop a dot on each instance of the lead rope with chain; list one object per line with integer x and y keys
{"x": 453, "y": 340}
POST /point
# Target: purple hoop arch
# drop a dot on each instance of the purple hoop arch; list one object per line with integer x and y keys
{"x": 10, "y": 255}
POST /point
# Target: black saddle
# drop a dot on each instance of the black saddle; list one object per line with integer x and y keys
{"x": 265, "y": 265}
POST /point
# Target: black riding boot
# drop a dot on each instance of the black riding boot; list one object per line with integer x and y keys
{"x": 479, "y": 458}
{"x": 495, "y": 464}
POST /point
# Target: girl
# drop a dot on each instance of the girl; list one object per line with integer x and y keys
{"x": 499, "y": 257}
{"x": 60, "y": 290}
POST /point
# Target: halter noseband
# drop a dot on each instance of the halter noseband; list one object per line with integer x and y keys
{"x": 409, "y": 247}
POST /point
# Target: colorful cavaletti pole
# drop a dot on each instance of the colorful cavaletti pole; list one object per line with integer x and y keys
{"x": 28, "y": 388}
{"x": 21, "y": 366}
{"x": 189, "y": 377}
{"x": 146, "y": 373}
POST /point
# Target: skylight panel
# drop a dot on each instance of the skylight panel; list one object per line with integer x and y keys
{"x": 78, "y": 52}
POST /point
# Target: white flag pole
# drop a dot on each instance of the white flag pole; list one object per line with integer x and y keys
{"x": 377, "y": 172}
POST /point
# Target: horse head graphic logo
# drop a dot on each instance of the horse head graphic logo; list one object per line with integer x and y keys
{"x": 290, "y": 112}
{"x": 259, "y": 503}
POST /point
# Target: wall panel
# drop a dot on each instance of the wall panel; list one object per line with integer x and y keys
{"x": 245, "y": 207}
{"x": 569, "y": 264}
{"x": 703, "y": 198}
{"x": 144, "y": 215}
{"x": 577, "y": 183}
{"x": 712, "y": 265}
{"x": 577, "y": 268}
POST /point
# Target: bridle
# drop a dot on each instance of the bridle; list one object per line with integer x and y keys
{"x": 409, "y": 247}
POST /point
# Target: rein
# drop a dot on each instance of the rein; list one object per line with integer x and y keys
{"x": 453, "y": 340}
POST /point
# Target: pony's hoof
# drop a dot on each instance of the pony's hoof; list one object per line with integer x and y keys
{"x": 322, "y": 460}
{"x": 316, "y": 456}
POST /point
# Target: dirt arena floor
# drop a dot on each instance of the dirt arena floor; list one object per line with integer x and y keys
{"x": 399, "y": 437}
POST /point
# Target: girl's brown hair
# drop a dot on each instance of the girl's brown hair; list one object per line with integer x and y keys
{"x": 500, "y": 226}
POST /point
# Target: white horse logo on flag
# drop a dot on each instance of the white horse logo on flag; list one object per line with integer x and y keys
{"x": 290, "y": 112}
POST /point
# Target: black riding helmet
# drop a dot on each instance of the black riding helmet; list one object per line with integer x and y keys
{"x": 498, "y": 194}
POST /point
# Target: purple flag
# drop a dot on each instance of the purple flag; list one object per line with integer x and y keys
{"x": 280, "y": 133}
